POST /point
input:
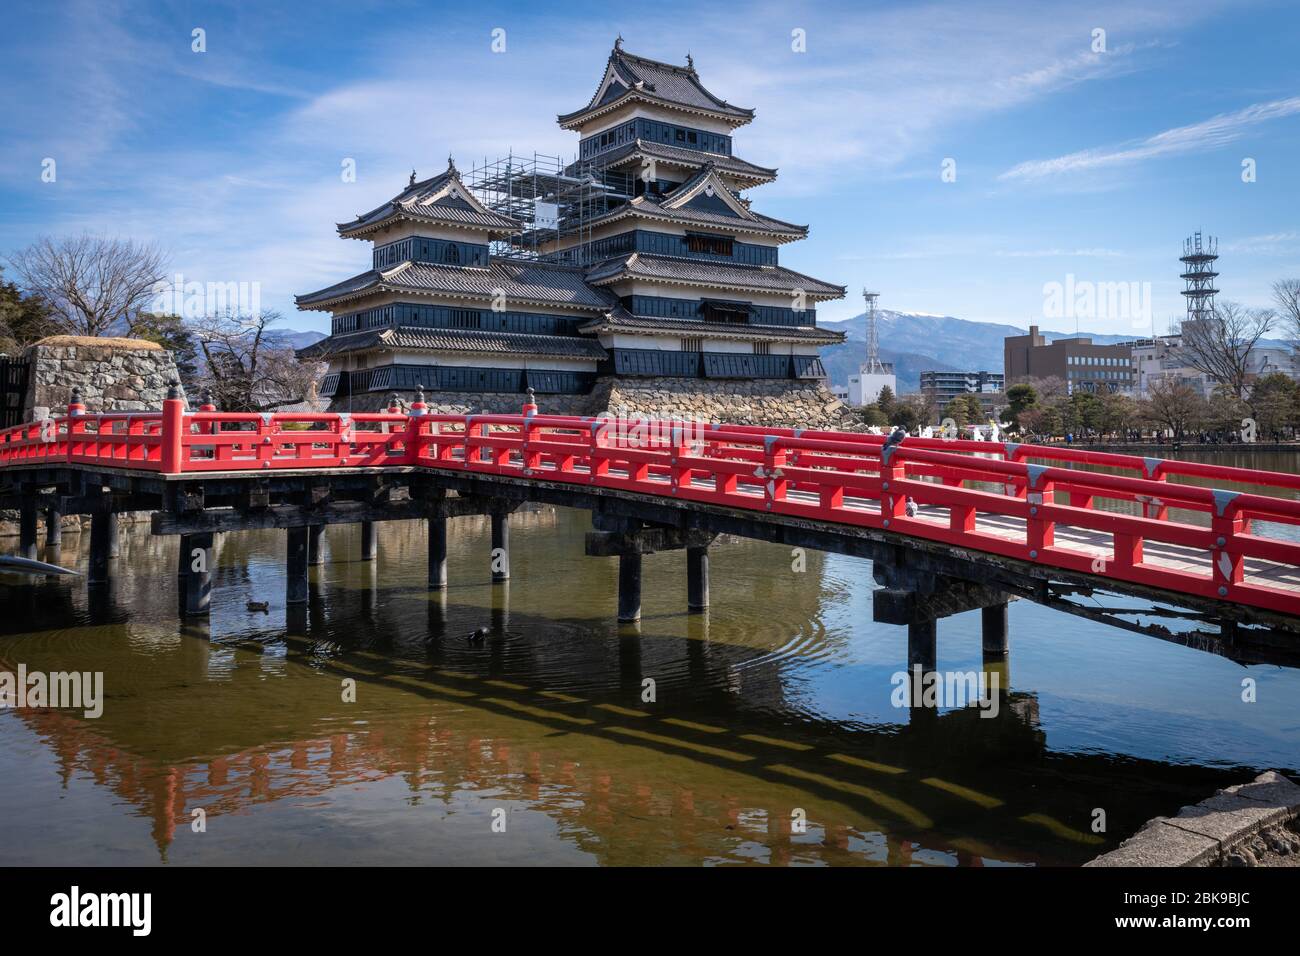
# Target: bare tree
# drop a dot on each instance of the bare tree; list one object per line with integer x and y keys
{"x": 1286, "y": 293}
{"x": 91, "y": 285}
{"x": 248, "y": 367}
{"x": 1219, "y": 344}
{"x": 1173, "y": 405}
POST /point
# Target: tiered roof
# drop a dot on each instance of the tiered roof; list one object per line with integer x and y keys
{"x": 441, "y": 200}
{"x": 521, "y": 281}
{"x": 456, "y": 340}
{"x": 745, "y": 173}
{"x": 705, "y": 199}
{"x": 620, "y": 320}
{"x": 629, "y": 78}
{"x": 671, "y": 270}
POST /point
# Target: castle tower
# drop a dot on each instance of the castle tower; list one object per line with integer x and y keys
{"x": 636, "y": 272}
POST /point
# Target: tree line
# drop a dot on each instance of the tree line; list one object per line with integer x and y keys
{"x": 95, "y": 287}
{"x": 1243, "y": 405}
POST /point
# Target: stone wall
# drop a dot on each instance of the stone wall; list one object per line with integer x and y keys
{"x": 114, "y": 375}
{"x": 773, "y": 403}
{"x": 785, "y": 404}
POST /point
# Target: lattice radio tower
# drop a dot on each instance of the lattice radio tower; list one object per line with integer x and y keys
{"x": 1198, "y": 260}
{"x": 874, "y": 366}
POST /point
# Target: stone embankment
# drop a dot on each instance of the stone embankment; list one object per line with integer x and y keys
{"x": 788, "y": 404}
{"x": 1251, "y": 824}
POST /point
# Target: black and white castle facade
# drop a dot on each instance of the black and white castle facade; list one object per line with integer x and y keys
{"x": 637, "y": 278}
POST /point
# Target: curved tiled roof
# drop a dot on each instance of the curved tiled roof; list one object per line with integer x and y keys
{"x": 518, "y": 280}
{"x": 630, "y": 76}
{"x": 654, "y": 209}
{"x": 668, "y": 153}
{"x": 697, "y": 272}
{"x": 623, "y": 321}
{"x": 441, "y": 199}
{"x": 418, "y": 338}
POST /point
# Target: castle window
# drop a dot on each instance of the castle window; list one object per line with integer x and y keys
{"x": 451, "y": 254}
{"x": 711, "y": 245}
{"x": 762, "y": 348}
{"x": 692, "y": 345}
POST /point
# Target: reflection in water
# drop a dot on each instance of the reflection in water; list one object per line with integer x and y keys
{"x": 772, "y": 709}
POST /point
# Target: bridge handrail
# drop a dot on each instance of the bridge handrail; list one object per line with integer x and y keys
{"x": 842, "y": 477}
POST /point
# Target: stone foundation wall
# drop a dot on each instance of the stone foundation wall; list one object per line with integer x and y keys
{"x": 114, "y": 375}
{"x": 773, "y": 403}
{"x": 782, "y": 404}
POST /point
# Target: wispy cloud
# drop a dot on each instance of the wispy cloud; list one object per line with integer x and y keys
{"x": 1213, "y": 133}
{"x": 1059, "y": 253}
{"x": 1270, "y": 244}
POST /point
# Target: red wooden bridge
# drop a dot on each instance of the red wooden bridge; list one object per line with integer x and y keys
{"x": 1038, "y": 515}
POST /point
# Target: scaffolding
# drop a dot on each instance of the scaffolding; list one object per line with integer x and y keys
{"x": 555, "y": 201}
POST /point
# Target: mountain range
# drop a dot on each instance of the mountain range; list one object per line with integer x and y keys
{"x": 918, "y": 341}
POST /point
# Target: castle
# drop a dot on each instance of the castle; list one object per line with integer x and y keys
{"x": 636, "y": 278}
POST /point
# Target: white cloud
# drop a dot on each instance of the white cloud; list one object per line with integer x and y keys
{"x": 1209, "y": 134}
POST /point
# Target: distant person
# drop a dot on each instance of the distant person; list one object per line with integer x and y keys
{"x": 910, "y": 507}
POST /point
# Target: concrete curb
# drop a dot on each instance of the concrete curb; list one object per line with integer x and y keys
{"x": 1203, "y": 834}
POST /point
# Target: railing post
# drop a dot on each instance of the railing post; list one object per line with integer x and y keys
{"x": 893, "y": 503}
{"x": 531, "y": 459}
{"x": 1040, "y": 533}
{"x": 1228, "y": 566}
{"x": 173, "y": 426}
{"x": 415, "y": 418}
{"x": 774, "y": 482}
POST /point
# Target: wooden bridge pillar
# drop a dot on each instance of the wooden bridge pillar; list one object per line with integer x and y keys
{"x": 103, "y": 529}
{"x": 314, "y": 556}
{"x": 27, "y": 530}
{"x": 994, "y": 630}
{"x": 53, "y": 528}
{"x": 197, "y": 579}
{"x": 368, "y": 541}
{"x": 296, "y": 588}
{"x": 500, "y": 546}
{"x": 629, "y": 587}
{"x": 922, "y": 645}
{"x": 697, "y": 579}
{"x": 437, "y": 553}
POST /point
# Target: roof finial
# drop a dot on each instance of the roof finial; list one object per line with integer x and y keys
{"x": 690, "y": 61}
{"x": 412, "y": 182}
{"x": 618, "y": 42}
{"x": 451, "y": 164}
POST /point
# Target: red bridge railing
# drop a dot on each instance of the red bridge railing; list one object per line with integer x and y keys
{"x": 1029, "y": 502}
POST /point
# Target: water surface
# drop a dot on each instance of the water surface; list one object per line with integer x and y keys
{"x": 772, "y": 736}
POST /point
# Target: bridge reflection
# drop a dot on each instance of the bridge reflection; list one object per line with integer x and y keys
{"x": 547, "y": 715}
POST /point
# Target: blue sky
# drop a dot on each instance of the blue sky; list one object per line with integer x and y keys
{"x": 1068, "y": 161}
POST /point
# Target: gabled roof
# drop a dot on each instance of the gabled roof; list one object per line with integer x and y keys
{"x": 417, "y": 338}
{"x": 520, "y": 281}
{"x": 705, "y": 200}
{"x": 696, "y": 272}
{"x": 749, "y": 173}
{"x": 644, "y": 207}
{"x": 443, "y": 200}
{"x": 629, "y": 77}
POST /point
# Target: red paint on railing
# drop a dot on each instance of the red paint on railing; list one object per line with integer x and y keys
{"x": 842, "y": 478}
